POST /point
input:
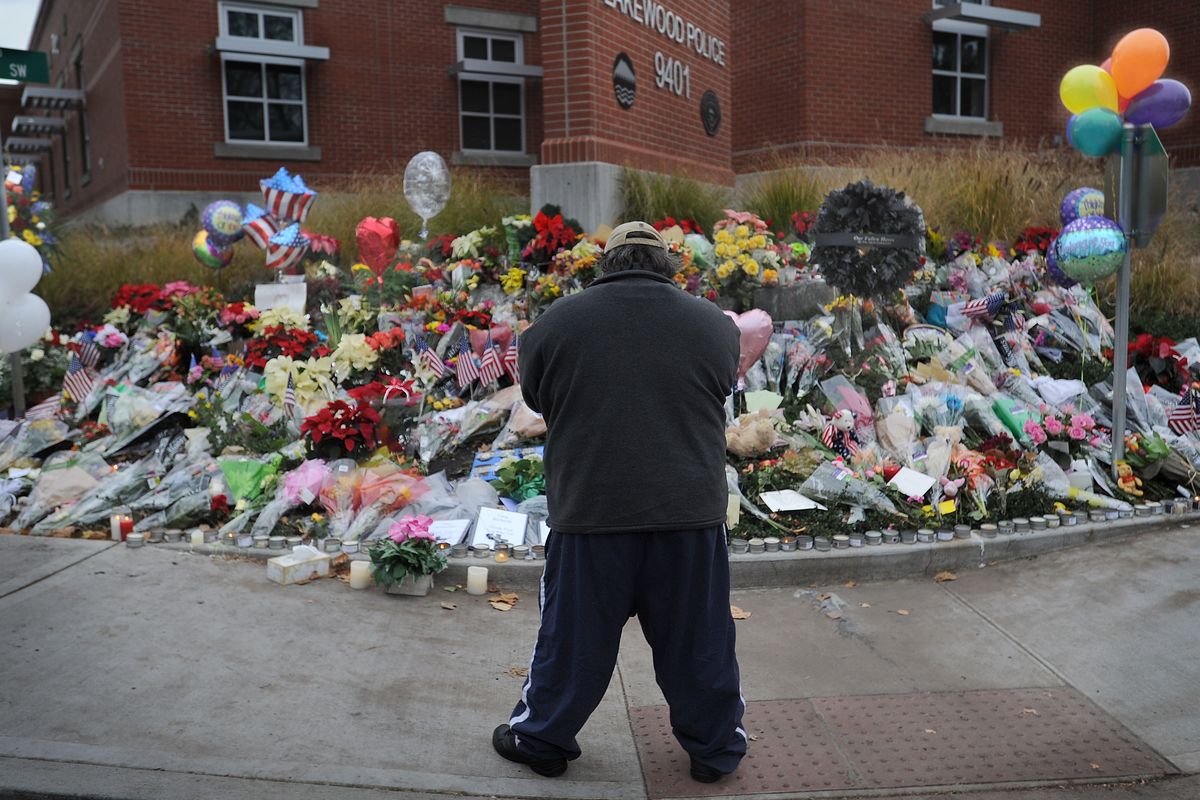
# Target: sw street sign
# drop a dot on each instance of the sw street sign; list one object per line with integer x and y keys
{"x": 1149, "y": 191}
{"x": 25, "y": 66}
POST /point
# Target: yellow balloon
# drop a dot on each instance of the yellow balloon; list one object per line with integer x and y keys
{"x": 1088, "y": 86}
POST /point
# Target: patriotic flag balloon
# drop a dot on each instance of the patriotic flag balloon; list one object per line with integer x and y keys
{"x": 259, "y": 225}
{"x": 286, "y": 248}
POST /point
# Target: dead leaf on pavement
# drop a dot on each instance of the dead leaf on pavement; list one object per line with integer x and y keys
{"x": 902, "y": 612}
{"x": 945, "y": 575}
{"x": 518, "y": 672}
{"x": 496, "y": 604}
{"x": 754, "y": 737}
{"x": 739, "y": 613}
{"x": 1029, "y": 712}
{"x": 503, "y": 601}
{"x": 449, "y": 606}
{"x": 850, "y": 584}
{"x": 453, "y": 588}
{"x": 864, "y": 605}
{"x": 823, "y": 596}
{"x": 930, "y": 730}
{"x": 1095, "y": 766}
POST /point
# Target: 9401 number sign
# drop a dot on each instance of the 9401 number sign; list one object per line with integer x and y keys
{"x": 672, "y": 75}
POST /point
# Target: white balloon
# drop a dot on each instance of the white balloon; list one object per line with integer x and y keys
{"x": 23, "y": 320}
{"x": 426, "y": 184}
{"x": 20, "y": 268}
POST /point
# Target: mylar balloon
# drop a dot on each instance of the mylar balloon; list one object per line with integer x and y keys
{"x": 755, "y": 328}
{"x": 1096, "y": 132}
{"x": 210, "y": 254}
{"x": 1161, "y": 104}
{"x": 426, "y": 186}
{"x": 26, "y": 319}
{"x": 1082, "y": 202}
{"x": 1138, "y": 60}
{"x": 1087, "y": 86}
{"x": 1052, "y": 271}
{"x": 1090, "y": 249}
{"x": 20, "y": 268}
{"x": 223, "y": 220}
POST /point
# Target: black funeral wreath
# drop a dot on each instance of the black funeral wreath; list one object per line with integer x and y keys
{"x": 867, "y": 240}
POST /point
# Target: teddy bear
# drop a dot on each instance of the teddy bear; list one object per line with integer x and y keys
{"x": 839, "y": 435}
{"x": 1127, "y": 482}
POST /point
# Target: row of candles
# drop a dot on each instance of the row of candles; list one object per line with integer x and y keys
{"x": 360, "y": 577}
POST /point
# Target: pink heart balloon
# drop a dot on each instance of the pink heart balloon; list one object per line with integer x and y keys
{"x": 756, "y": 328}
{"x": 501, "y": 336}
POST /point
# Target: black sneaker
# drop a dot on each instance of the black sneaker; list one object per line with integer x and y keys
{"x": 704, "y": 773}
{"x": 505, "y": 743}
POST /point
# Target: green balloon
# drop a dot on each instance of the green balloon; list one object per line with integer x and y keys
{"x": 1096, "y": 132}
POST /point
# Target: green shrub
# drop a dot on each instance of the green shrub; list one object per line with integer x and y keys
{"x": 650, "y": 196}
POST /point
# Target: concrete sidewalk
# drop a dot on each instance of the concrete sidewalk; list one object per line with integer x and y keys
{"x": 158, "y": 674}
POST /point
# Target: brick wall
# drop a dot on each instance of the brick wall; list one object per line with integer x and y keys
{"x": 93, "y": 27}
{"x": 661, "y": 131}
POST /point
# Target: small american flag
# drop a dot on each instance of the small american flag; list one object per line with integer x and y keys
{"x": 46, "y": 409}
{"x": 464, "y": 367}
{"x": 1185, "y": 417}
{"x": 77, "y": 380}
{"x": 89, "y": 354}
{"x": 289, "y": 394}
{"x": 984, "y": 306}
{"x": 490, "y": 367}
{"x": 429, "y": 357}
{"x": 510, "y": 361}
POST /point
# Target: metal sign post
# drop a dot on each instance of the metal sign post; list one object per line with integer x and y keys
{"x": 1140, "y": 202}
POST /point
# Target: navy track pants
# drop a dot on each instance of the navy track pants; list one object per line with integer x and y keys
{"x": 677, "y": 583}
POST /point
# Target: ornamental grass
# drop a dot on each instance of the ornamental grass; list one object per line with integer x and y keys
{"x": 650, "y": 196}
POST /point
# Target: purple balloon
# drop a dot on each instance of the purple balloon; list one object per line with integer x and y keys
{"x": 1070, "y": 123}
{"x": 1052, "y": 271}
{"x": 1162, "y": 104}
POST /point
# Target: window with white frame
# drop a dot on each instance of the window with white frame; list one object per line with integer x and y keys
{"x": 491, "y": 104}
{"x": 264, "y": 95}
{"x": 960, "y": 68}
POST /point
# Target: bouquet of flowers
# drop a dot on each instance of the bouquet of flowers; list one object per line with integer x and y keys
{"x": 342, "y": 430}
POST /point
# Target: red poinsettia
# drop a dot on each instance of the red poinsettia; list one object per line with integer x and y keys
{"x": 140, "y": 298}
{"x": 279, "y": 341}
{"x": 1156, "y": 361}
{"x": 442, "y": 246}
{"x": 553, "y": 234}
{"x": 476, "y": 319}
{"x": 686, "y": 225}
{"x": 802, "y": 222}
{"x": 343, "y": 429}
{"x": 1035, "y": 240}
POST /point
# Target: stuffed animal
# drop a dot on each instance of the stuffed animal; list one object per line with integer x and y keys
{"x": 1127, "y": 482}
{"x": 839, "y": 435}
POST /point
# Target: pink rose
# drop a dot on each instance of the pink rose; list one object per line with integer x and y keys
{"x": 411, "y": 528}
{"x": 1096, "y": 441}
{"x": 1053, "y": 426}
{"x": 1035, "y": 432}
{"x": 1078, "y": 434}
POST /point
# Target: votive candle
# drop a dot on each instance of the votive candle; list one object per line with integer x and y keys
{"x": 360, "y": 574}
{"x": 476, "y": 580}
{"x": 197, "y": 537}
{"x": 114, "y": 525}
{"x": 126, "y": 525}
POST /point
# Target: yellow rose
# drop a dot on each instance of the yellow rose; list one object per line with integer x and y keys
{"x": 750, "y": 268}
{"x": 724, "y": 237}
{"x": 742, "y": 231}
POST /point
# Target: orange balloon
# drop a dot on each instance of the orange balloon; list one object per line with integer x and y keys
{"x": 1138, "y": 60}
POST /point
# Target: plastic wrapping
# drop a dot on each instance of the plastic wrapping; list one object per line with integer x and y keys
{"x": 30, "y": 438}
{"x": 523, "y": 425}
{"x": 833, "y": 484}
{"x": 65, "y": 477}
{"x": 119, "y": 489}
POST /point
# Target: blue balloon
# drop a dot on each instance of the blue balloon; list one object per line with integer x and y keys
{"x": 1090, "y": 249}
{"x": 1096, "y": 132}
{"x": 1082, "y": 202}
{"x": 1070, "y": 122}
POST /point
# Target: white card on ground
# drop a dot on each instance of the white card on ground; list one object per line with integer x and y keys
{"x": 273, "y": 295}
{"x": 789, "y": 500}
{"x": 450, "y": 531}
{"x": 911, "y": 482}
{"x": 495, "y": 524}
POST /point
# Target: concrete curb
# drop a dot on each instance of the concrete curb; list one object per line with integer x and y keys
{"x": 765, "y": 570}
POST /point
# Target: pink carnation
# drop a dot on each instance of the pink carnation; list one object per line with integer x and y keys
{"x": 1078, "y": 434}
{"x": 1053, "y": 426}
{"x": 1084, "y": 421}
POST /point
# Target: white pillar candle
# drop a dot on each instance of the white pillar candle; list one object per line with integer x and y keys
{"x": 114, "y": 525}
{"x": 360, "y": 574}
{"x": 197, "y": 537}
{"x": 733, "y": 511}
{"x": 476, "y": 580}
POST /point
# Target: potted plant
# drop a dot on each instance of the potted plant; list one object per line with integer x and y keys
{"x": 408, "y": 558}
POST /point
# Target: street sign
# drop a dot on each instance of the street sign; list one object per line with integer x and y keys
{"x": 24, "y": 66}
{"x": 1150, "y": 179}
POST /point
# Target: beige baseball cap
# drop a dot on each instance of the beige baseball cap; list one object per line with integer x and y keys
{"x": 634, "y": 233}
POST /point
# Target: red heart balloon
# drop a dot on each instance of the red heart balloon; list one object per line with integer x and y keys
{"x": 378, "y": 240}
{"x": 501, "y": 336}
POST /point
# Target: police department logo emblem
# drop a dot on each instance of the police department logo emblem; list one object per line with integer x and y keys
{"x": 710, "y": 112}
{"x": 624, "y": 81}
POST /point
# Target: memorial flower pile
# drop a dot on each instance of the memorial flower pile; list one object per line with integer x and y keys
{"x": 893, "y": 377}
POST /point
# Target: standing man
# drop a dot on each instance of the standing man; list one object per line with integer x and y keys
{"x": 631, "y": 376}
